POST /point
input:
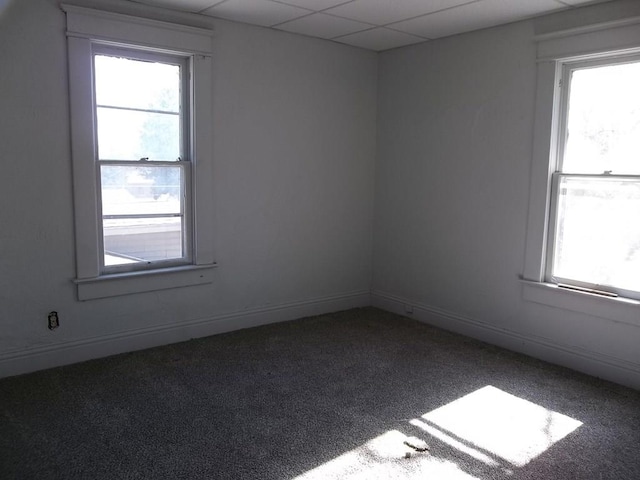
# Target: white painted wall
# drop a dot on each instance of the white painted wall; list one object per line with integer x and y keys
{"x": 294, "y": 144}
{"x": 455, "y": 134}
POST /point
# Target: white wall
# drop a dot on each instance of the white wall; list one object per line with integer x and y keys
{"x": 294, "y": 144}
{"x": 455, "y": 134}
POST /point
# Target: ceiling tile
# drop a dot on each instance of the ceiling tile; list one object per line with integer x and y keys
{"x": 315, "y": 5}
{"x": 379, "y": 39}
{"x": 403, "y": 19}
{"x": 256, "y": 12}
{"x": 183, "y": 5}
{"x": 473, "y": 16}
{"x": 323, "y": 26}
{"x": 382, "y": 12}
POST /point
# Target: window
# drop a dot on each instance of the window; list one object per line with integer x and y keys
{"x": 141, "y": 133}
{"x": 583, "y": 239}
{"x": 594, "y": 230}
{"x": 140, "y": 115}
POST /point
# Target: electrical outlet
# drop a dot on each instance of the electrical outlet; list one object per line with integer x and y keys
{"x": 54, "y": 321}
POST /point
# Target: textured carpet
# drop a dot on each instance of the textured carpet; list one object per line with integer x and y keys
{"x": 333, "y": 396}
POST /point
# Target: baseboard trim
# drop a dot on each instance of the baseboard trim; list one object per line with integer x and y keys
{"x": 43, "y": 357}
{"x": 599, "y": 365}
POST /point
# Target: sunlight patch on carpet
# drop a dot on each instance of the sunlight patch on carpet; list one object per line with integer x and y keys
{"x": 385, "y": 457}
{"x": 489, "y": 427}
{"x": 497, "y": 423}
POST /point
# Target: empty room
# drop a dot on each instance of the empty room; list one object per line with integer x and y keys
{"x": 398, "y": 239}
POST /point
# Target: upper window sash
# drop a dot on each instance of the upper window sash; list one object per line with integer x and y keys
{"x": 184, "y": 63}
{"x": 565, "y": 71}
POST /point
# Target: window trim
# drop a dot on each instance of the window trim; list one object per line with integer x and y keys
{"x": 86, "y": 27}
{"x": 611, "y": 39}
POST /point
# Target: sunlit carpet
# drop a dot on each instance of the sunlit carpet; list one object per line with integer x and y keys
{"x": 339, "y": 396}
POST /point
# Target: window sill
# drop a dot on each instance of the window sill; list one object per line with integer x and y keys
{"x": 619, "y": 309}
{"x": 147, "y": 281}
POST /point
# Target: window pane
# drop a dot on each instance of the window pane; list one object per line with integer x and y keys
{"x": 131, "y": 135}
{"x": 604, "y": 120}
{"x": 133, "y": 190}
{"x": 598, "y": 232}
{"x": 136, "y": 240}
{"x": 124, "y": 82}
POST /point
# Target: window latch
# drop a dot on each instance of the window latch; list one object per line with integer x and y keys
{"x": 144, "y": 159}
{"x": 607, "y": 172}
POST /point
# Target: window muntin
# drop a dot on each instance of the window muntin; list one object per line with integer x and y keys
{"x": 142, "y": 124}
{"x": 594, "y": 229}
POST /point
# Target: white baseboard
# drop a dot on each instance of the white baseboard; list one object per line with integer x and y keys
{"x": 596, "y": 364}
{"x": 592, "y": 363}
{"x": 43, "y": 357}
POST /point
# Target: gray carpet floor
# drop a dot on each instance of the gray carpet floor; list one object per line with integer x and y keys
{"x": 334, "y": 396}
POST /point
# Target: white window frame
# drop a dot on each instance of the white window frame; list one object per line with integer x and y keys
{"x": 567, "y": 70}
{"x": 86, "y": 28}
{"x": 556, "y": 53}
{"x": 184, "y": 162}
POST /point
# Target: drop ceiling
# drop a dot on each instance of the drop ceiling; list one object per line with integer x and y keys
{"x": 373, "y": 24}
